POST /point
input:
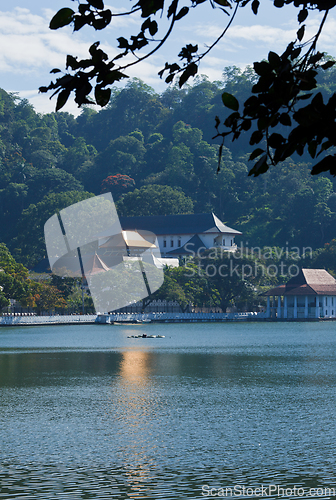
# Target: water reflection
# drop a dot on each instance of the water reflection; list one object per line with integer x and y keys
{"x": 145, "y": 422}
{"x": 132, "y": 404}
{"x": 135, "y": 367}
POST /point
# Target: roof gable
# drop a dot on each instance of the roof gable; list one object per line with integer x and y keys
{"x": 194, "y": 244}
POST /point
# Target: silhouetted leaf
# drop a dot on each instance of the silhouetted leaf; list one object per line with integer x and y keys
{"x": 224, "y": 3}
{"x": 312, "y": 146}
{"x": 302, "y": 15}
{"x": 274, "y": 59}
{"x": 255, "y": 6}
{"x": 123, "y": 43}
{"x": 62, "y": 18}
{"x": 300, "y": 33}
{"x": 230, "y": 101}
{"x": 260, "y": 167}
{"x": 275, "y": 140}
{"x": 172, "y": 8}
{"x": 257, "y": 152}
{"x": 79, "y": 22}
{"x": 191, "y": 70}
{"x": 102, "y": 96}
{"x": 153, "y": 28}
{"x": 256, "y": 137}
{"x": 220, "y": 152}
{"x": 328, "y": 64}
{"x": 62, "y": 99}
{"x": 262, "y": 68}
{"x": 246, "y": 124}
{"x": 183, "y": 12}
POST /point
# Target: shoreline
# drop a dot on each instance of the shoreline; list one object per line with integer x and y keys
{"x": 146, "y": 318}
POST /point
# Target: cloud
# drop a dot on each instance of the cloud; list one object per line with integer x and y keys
{"x": 30, "y": 49}
{"x": 42, "y": 103}
{"x": 253, "y": 33}
{"x": 28, "y": 45}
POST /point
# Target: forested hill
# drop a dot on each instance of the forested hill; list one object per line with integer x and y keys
{"x": 156, "y": 154}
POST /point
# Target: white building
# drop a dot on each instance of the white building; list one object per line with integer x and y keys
{"x": 311, "y": 294}
{"x": 185, "y": 235}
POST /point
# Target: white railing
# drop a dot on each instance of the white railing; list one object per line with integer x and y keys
{"x": 164, "y": 316}
{"x": 47, "y": 320}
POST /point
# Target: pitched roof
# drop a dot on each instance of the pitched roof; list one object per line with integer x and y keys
{"x": 177, "y": 224}
{"x": 194, "y": 244}
{"x": 94, "y": 265}
{"x": 129, "y": 238}
{"x": 307, "y": 282}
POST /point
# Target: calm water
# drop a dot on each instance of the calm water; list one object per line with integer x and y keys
{"x": 88, "y": 413}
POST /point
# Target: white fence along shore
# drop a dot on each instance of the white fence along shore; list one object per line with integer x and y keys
{"x": 47, "y": 320}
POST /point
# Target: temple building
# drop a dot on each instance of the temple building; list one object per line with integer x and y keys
{"x": 185, "y": 234}
{"x": 309, "y": 295}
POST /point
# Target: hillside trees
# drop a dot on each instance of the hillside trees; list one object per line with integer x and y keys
{"x": 155, "y": 200}
{"x": 28, "y": 245}
{"x": 286, "y": 206}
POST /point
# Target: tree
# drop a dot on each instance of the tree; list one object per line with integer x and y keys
{"x": 283, "y": 80}
{"x": 29, "y": 244}
{"x": 155, "y": 200}
{"x": 117, "y": 184}
{"x": 14, "y": 280}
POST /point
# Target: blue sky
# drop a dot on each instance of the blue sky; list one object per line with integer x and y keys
{"x": 30, "y": 50}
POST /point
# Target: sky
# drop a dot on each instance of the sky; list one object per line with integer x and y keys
{"x": 30, "y": 49}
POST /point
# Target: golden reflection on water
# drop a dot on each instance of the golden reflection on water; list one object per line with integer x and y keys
{"x": 135, "y": 367}
{"x": 135, "y": 405}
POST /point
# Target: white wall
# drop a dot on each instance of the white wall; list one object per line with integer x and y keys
{"x": 207, "y": 239}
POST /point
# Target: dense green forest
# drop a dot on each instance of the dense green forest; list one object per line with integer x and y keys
{"x": 164, "y": 144}
{"x": 156, "y": 154}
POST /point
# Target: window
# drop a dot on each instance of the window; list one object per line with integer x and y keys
{"x": 171, "y": 243}
{"x": 223, "y": 241}
{"x": 179, "y": 242}
{"x": 164, "y": 243}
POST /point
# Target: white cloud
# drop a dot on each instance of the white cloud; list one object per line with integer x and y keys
{"x": 253, "y": 33}
{"x": 30, "y": 49}
{"x": 42, "y": 103}
{"x": 28, "y": 45}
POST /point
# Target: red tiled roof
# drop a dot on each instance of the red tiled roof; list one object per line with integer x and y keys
{"x": 307, "y": 282}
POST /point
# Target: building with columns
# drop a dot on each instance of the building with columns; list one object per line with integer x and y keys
{"x": 309, "y": 295}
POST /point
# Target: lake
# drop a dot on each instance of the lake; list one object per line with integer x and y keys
{"x": 211, "y": 410}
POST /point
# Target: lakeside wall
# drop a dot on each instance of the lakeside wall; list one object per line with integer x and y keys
{"x": 47, "y": 320}
{"x": 128, "y": 318}
{"x": 125, "y": 318}
{"x": 177, "y": 317}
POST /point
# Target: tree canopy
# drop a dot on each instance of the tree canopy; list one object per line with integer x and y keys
{"x": 282, "y": 115}
{"x": 170, "y": 167}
